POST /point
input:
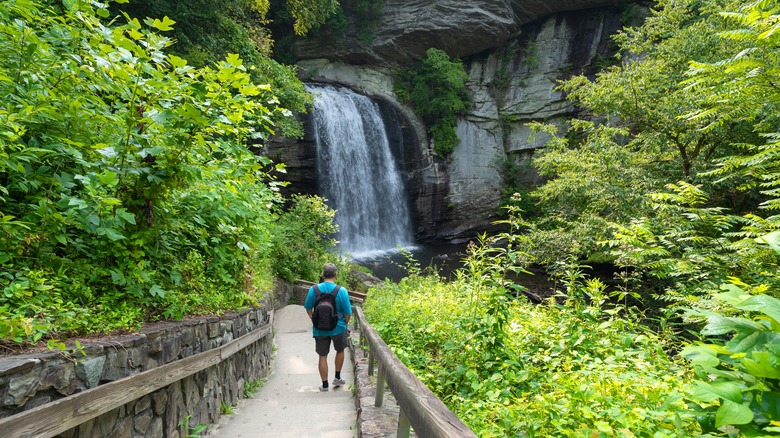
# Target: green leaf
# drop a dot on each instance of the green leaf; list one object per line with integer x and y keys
{"x": 719, "y": 325}
{"x": 111, "y": 233}
{"x": 157, "y": 291}
{"x": 177, "y": 62}
{"x": 765, "y": 304}
{"x": 724, "y": 390}
{"x": 733, "y": 413}
{"x": 123, "y": 214}
{"x": 703, "y": 355}
{"x": 761, "y": 365}
{"x": 234, "y": 59}
{"x": 61, "y": 238}
{"x": 164, "y": 25}
{"x": 772, "y": 239}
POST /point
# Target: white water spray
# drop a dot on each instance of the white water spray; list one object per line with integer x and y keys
{"x": 357, "y": 173}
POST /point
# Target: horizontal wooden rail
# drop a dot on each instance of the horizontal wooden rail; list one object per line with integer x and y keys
{"x": 353, "y": 295}
{"x": 420, "y": 407}
{"x": 64, "y": 414}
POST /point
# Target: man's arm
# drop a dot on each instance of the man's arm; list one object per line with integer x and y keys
{"x": 309, "y": 303}
{"x": 346, "y": 306}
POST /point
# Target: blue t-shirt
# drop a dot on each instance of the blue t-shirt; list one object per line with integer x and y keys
{"x": 343, "y": 307}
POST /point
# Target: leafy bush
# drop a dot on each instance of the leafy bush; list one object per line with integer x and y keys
{"x": 509, "y": 368}
{"x": 436, "y": 88}
{"x": 303, "y": 236}
{"x": 737, "y": 391}
{"x": 638, "y": 136}
{"x": 126, "y": 187}
{"x": 208, "y": 31}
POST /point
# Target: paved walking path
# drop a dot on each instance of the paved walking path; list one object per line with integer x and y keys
{"x": 290, "y": 403}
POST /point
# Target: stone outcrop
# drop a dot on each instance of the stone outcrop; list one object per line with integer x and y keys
{"x": 410, "y": 27}
{"x": 514, "y": 60}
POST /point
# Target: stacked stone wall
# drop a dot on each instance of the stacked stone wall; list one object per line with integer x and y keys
{"x": 33, "y": 380}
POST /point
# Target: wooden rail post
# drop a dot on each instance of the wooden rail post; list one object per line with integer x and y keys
{"x": 380, "y": 388}
{"x": 403, "y": 425}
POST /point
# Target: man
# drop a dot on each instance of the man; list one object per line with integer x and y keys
{"x": 338, "y": 335}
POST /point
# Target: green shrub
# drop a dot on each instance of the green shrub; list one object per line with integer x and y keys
{"x": 122, "y": 171}
{"x": 737, "y": 391}
{"x": 303, "y": 235}
{"x": 509, "y": 368}
{"x": 436, "y": 89}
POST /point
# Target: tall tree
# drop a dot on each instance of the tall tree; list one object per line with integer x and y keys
{"x": 641, "y": 140}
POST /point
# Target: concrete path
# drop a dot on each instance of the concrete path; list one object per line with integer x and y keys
{"x": 290, "y": 403}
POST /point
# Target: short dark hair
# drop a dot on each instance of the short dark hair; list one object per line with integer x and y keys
{"x": 329, "y": 270}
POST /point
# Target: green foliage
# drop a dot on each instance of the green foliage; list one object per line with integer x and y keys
{"x": 368, "y": 16}
{"x": 252, "y": 386}
{"x": 208, "y": 31}
{"x": 516, "y": 183}
{"x": 126, "y": 186}
{"x": 310, "y": 14}
{"x": 192, "y": 431}
{"x": 695, "y": 247}
{"x": 227, "y": 409}
{"x": 436, "y": 89}
{"x": 687, "y": 238}
{"x": 743, "y": 87}
{"x": 737, "y": 391}
{"x": 593, "y": 180}
{"x": 648, "y": 133}
{"x": 303, "y": 235}
{"x": 509, "y": 368}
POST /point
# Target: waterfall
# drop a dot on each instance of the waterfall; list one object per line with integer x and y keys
{"x": 357, "y": 173}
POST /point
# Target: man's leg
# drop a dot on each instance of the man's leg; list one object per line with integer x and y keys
{"x": 340, "y": 344}
{"x": 323, "y": 348}
{"x": 323, "y": 366}
{"x": 339, "y": 361}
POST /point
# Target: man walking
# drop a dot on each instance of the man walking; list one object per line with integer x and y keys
{"x": 338, "y": 335}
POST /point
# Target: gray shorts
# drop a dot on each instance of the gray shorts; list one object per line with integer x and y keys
{"x": 322, "y": 343}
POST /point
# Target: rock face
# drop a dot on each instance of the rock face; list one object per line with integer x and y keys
{"x": 410, "y": 27}
{"x": 514, "y": 60}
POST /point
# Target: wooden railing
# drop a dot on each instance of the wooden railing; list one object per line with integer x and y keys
{"x": 420, "y": 408}
{"x": 357, "y": 297}
{"x": 64, "y": 414}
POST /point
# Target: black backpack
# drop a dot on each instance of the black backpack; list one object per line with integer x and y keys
{"x": 324, "y": 316}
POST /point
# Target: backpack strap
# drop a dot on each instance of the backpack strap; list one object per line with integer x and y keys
{"x": 335, "y": 293}
{"x": 317, "y": 292}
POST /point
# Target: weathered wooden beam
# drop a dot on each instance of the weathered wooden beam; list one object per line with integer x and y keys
{"x": 428, "y": 415}
{"x": 64, "y": 414}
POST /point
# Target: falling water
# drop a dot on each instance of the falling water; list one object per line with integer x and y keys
{"x": 357, "y": 173}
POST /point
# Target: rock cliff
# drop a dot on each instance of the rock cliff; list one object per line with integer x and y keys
{"x": 410, "y": 27}
{"x": 514, "y": 52}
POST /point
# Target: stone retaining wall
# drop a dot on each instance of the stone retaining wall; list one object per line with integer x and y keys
{"x": 31, "y": 380}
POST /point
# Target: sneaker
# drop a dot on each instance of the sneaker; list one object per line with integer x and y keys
{"x": 323, "y": 388}
{"x": 338, "y": 382}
